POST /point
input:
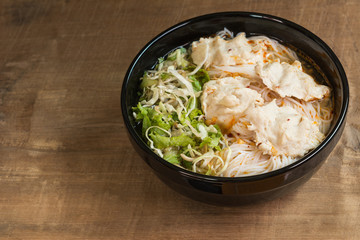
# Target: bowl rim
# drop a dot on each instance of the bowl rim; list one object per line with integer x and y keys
{"x": 189, "y": 174}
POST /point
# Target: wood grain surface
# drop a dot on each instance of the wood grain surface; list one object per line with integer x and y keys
{"x": 67, "y": 169}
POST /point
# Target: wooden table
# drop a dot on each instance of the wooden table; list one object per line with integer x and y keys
{"x": 67, "y": 169}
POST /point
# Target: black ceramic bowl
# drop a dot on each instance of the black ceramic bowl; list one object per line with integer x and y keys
{"x": 239, "y": 190}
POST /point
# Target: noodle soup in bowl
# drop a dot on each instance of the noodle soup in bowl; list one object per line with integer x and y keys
{"x": 179, "y": 124}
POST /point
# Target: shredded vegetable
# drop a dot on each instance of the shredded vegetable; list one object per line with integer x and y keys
{"x": 171, "y": 117}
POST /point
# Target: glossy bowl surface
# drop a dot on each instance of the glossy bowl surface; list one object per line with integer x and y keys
{"x": 239, "y": 190}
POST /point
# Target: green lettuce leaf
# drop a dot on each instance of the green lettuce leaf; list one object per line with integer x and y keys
{"x": 186, "y": 164}
{"x": 195, "y": 113}
{"x": 146, "y": 123}
{"x": 146, "y": 81}
{"x": 213, "y": 139}
{"x": 160, "y": 141}
{"x": 150, "y": 118}
{"x": 164, "y": 75}
{"x": 157, "y": 120}
{"x": 179, "y": 56}
{"x": 182, "y": 141}
{"x": 172, "y": 156}
{"x": 199, "y": 79}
